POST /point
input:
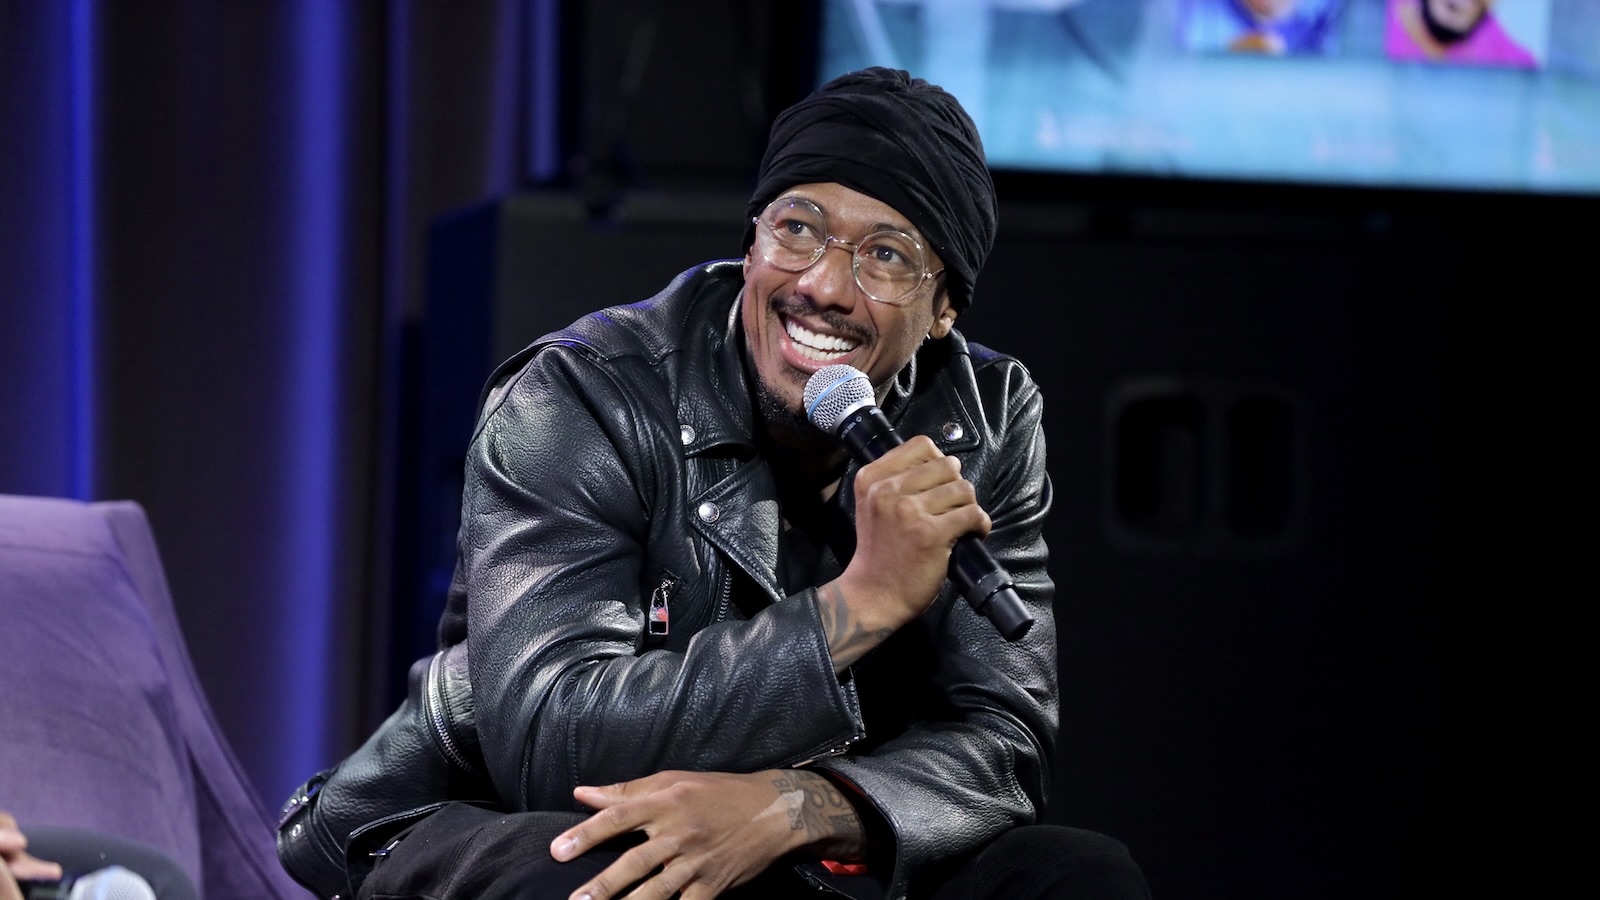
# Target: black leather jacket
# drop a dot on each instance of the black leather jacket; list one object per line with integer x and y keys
{"x": 614, "y": 469}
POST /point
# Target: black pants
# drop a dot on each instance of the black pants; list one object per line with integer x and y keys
{"x": 462, "y": 851}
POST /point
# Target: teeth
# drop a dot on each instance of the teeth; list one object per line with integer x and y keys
{"x": 817, "y": 346}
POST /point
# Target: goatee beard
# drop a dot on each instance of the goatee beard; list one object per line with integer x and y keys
{"x": 790, "y": 426}
{"x": 1445, "y": 34}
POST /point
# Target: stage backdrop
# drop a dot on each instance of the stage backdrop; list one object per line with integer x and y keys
{"x": 209, "y": 226}
{"x": 1308, "y": 445}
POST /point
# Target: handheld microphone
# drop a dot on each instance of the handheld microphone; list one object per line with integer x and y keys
{"x": 839, "y": 401}
{"x": 110, "y": 883}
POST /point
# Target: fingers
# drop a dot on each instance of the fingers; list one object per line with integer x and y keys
{"x": 14, "y": 854}
{"x": 614, "y": 817}
{"x": 604, "y": 825}
{"x": 704, "y": 831}
{"x": 963, "y": 511}
{"x": 31, "y": 868}
{"x": 915, "y": 481}
{"x": 634, "y": 867}
{"x": 11, "y": 839}
{"x": 914, "y": 452}
{"x": 913, "y": 468}
{"x": 602, "y": 796}
{"x": 912, "y": 506}
{"x": 15, "y": 862}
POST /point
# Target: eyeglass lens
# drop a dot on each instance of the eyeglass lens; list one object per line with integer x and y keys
{"x": 888, "y": 265}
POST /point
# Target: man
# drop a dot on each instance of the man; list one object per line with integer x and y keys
{"x": 688, "y": 612}
{"x": 1452, "y": 31}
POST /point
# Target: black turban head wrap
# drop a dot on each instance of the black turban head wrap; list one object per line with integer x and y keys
{"x": 899, "y": 140}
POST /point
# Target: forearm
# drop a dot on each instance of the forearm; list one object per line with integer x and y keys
{"x": 849, "y": 635}
{"x": 704, "y": 832}
{"x": 975, "y": 756}
{"x": 743, "y": 696}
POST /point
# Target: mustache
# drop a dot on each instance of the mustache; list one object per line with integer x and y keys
{"x": 800, "y": 308}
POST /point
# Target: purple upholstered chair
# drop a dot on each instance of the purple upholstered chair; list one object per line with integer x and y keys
{"x": 103, "y": 724}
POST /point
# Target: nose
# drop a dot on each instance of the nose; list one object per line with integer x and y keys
{"x": 831, "y": 280}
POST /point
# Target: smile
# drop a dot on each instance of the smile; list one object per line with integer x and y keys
{"x": 820, "y": 347}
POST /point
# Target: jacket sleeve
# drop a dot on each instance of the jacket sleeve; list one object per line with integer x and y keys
{"x": 978, "y": 760}
{"x": 570, "y": 497}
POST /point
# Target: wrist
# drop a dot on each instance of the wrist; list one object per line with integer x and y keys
{"x": 851, "y": 625}
{"x": 821, "y": 819}
{"x": 869, "y": 605}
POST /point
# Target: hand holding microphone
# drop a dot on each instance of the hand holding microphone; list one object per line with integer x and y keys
{"x": 839, "y": 400}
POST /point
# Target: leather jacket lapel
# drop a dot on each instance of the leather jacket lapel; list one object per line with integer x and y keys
{"x": 739, "y": 515}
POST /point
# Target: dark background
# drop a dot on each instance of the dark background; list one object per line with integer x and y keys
{"x": 1313, "y": 447}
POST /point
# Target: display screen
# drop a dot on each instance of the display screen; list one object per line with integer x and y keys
{"x": 1459, "y": 94}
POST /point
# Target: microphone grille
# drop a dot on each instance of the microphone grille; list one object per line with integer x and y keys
{"x": 112, "y": 883}
{"x": 834, "y": 392}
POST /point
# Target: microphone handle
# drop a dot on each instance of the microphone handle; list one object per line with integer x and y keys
{"x": 987, "y": 587}
{"x": 867, "y": 434}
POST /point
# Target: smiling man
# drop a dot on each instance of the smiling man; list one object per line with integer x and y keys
{"x": 1452, "y": 31}
{"x": 711, "y": 655}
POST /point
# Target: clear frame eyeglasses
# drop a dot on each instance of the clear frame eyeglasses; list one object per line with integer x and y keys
{"x": 889, "y": 265}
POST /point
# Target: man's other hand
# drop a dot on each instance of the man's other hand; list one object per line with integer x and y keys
{"x": 15, "y": 863}
{"x": 707, "y": 832}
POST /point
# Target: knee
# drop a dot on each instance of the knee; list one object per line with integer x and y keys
{"x": 1088, "y": 863}
{"x": 1049, "y": 841}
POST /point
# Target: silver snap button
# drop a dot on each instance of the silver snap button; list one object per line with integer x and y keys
{"x": 952, "y": 431}
{"x": 686, "y": 434}
{"x": 709, "y": 512}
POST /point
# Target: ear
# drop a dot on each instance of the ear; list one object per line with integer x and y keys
{"x": 944, "y": 318}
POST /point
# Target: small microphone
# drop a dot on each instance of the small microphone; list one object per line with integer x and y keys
{"x": 110, "y": 883}
{"x": 839, "y": 401}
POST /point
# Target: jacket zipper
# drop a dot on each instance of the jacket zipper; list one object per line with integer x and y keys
{"x": 657, "y": 622}
{"x": 726, "y": 599}
{"x": 434, "y": 700}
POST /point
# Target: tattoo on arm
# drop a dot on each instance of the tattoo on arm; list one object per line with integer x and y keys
{"x": 831, "y": 826}
{"x": 848, "y": 639}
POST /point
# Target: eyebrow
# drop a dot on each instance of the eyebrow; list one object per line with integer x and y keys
{"x": 875, "y": 227}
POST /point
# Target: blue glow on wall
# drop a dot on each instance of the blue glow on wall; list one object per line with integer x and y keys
{"x": 544, "y": 87}
{"x": 311, "y": 403}
{"x": 80, "y": 259}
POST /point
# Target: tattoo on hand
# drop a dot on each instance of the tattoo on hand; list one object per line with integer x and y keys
{"x": 817, "y": 807}
{"x": 848, "y": 640}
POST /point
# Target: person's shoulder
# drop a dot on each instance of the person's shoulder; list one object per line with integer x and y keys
{"x": 990, "y": 365}
{"x": 983, "y": 355}
{"x": 633, "y": 337}
{"x": 991, "y": 385}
